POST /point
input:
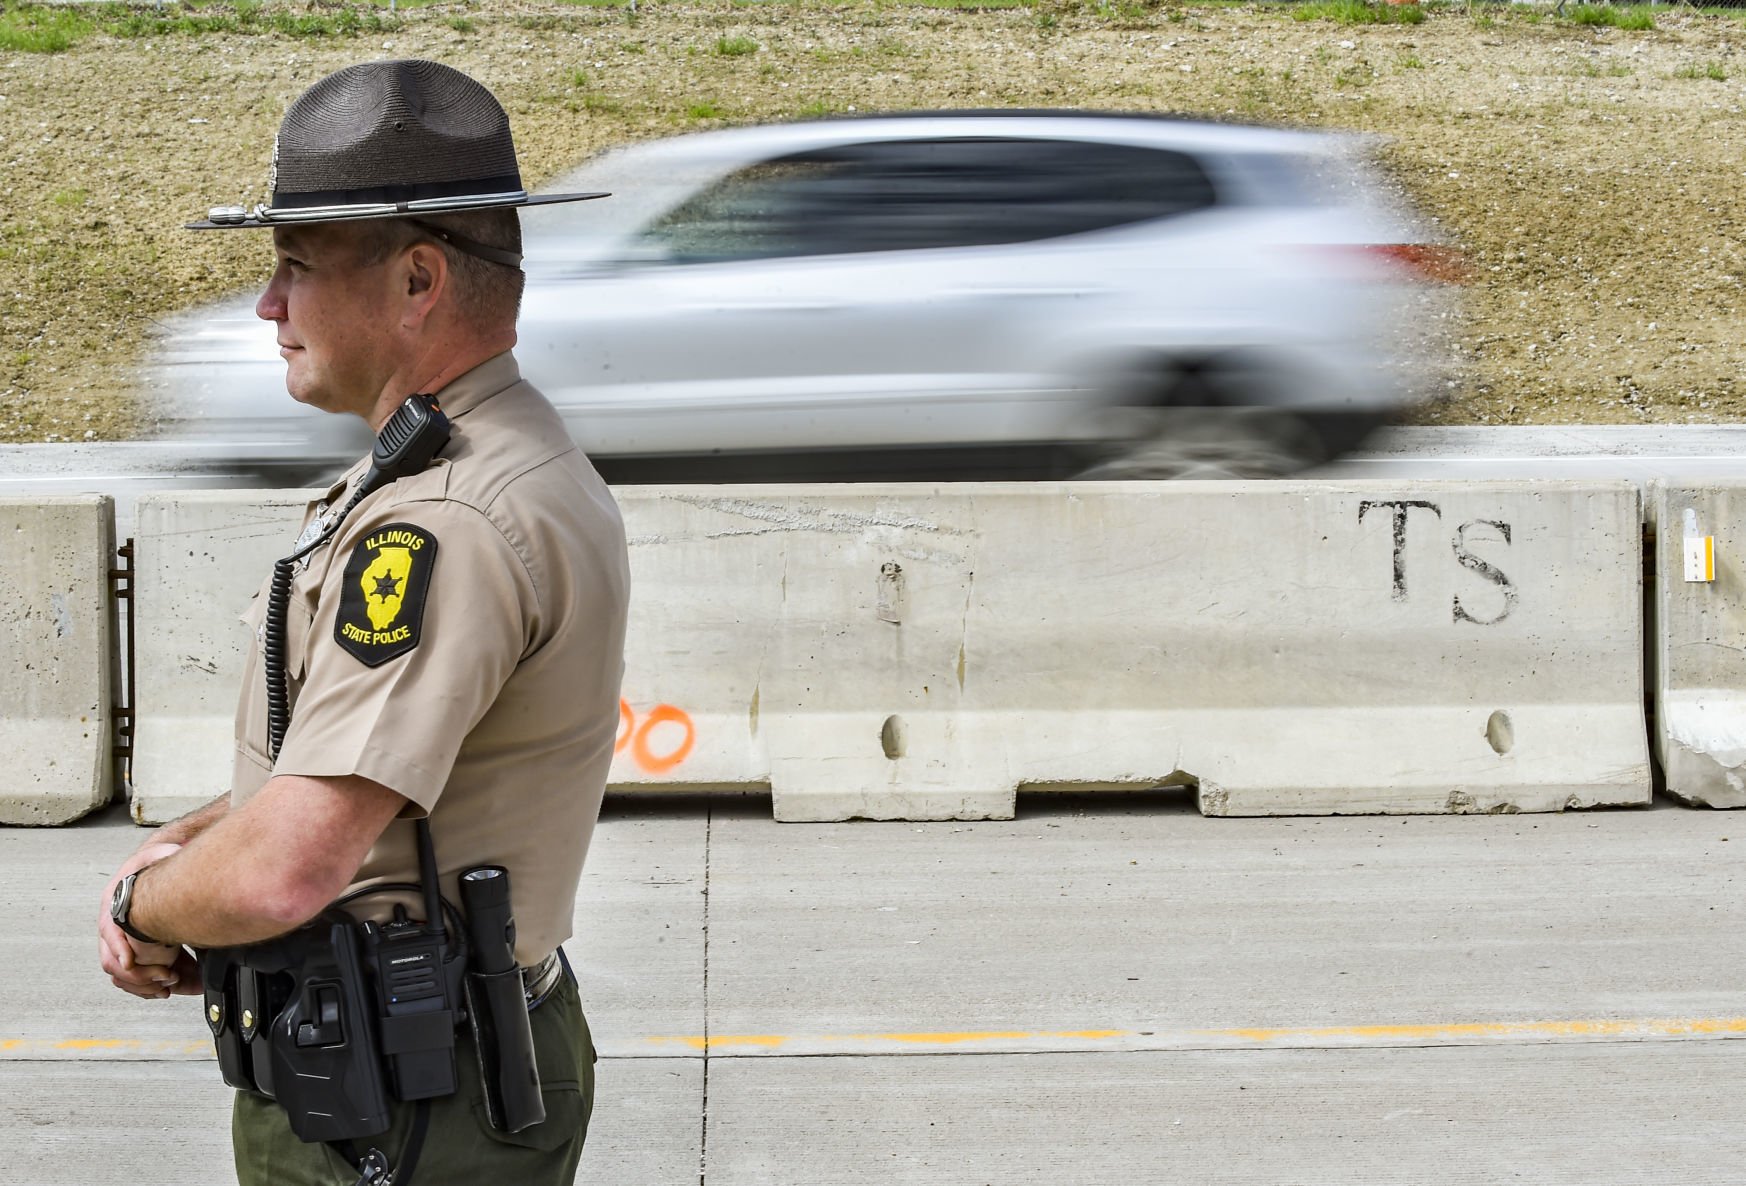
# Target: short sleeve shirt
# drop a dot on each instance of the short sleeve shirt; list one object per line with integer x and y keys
{"x": 460, "y": 640}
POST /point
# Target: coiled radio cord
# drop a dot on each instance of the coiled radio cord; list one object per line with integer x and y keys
{"x": 278, "y": 609}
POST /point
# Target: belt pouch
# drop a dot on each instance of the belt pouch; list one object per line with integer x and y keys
{"x": 503, "y": 1036}
{"x": 254, "y": 1010}
{"x": 218, "y": 974}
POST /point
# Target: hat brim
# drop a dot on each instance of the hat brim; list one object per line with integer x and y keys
{"x": 252, "y": 222}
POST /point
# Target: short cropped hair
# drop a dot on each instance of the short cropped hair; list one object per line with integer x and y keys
{"x": 484, "y": 291}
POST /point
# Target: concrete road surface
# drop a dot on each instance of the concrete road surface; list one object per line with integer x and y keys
{"x": 1107, "y": 990}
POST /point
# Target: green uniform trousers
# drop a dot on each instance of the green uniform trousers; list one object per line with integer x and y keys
{"x": 460, "y": 1146}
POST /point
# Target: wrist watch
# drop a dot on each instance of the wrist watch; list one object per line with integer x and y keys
{"x": 121, "y": 903}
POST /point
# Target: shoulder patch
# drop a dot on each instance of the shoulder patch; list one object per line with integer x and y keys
{"x": 382, "y": 599}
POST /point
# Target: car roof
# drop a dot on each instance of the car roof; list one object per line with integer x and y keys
{"x": 1129, "y": 127}
{"x": 672, "y": 165}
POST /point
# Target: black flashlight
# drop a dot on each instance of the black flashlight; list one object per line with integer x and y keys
{"x": 497, "y": 1004}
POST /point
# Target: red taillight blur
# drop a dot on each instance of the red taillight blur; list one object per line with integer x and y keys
{"x": 1425, "y": 261}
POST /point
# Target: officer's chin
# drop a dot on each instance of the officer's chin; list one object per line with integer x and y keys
{"x": 310, "y": 393}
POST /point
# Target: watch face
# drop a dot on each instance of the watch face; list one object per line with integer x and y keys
{"x": 121, "y": 905}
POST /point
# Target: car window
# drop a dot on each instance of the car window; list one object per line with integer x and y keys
{"x": 905, "y": 195}
{"x": 1313, "y": 178}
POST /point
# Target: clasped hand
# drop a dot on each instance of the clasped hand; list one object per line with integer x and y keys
{"x": 146, "y": 970}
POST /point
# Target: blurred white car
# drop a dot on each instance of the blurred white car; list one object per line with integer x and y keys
{"x": 932, "y": 295}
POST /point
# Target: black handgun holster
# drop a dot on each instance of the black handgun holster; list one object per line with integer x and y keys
{"x": 290, "y": 1019}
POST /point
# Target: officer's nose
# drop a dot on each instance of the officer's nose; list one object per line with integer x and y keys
{"x": 271, "y": 306}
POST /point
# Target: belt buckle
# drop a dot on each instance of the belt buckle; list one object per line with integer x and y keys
{"x": 539, "y": 979}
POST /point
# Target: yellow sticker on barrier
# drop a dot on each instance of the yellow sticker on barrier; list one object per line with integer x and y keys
{"x": 1700, "y": 558}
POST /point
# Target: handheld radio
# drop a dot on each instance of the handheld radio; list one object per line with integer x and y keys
{"x": 418, "y": 970}
{"x": 414, "y": 435}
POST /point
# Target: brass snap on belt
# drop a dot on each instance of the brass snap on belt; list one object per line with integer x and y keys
{"x": 539, "y": 979}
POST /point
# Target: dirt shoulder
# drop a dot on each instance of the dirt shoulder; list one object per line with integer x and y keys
{"x": 1591, "y": 174}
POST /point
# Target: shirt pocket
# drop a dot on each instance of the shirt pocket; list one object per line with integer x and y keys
{"x": 251, "y": 703}
{"x": 299, "y": 626}
{"x": 299, "y": 616}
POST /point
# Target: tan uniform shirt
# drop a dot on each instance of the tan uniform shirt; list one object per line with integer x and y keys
{"x": 460, "y": 640}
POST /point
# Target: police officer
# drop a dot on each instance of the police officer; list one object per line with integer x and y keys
{"x": 452, "y": 651}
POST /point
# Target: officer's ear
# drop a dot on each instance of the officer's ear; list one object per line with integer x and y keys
{"x": 425, "y": 276}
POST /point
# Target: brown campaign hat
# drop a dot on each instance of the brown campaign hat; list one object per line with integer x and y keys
{"x": 388, "y": 140}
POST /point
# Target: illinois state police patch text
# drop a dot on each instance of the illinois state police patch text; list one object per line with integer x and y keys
{"x": 382, "y": 599}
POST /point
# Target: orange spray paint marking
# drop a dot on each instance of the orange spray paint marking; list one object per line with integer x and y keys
{"x": 651, "y": 762}
{"x": 627, "y": 724}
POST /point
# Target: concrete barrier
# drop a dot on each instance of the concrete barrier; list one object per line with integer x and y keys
{"x": 922, "y": 653}
{"x": 1700, "y": 640}
{"x": 198, "y": 558}
{"x": 56, "y": 644}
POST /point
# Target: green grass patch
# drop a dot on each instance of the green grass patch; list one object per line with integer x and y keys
{"x": 32, "y": 30}
{"x": 460, "y": 24}
{"x": 704, "y": 110}
{"x": 1617, "y": 16}
{"x": 243, "y": 16}
{"x": 735, "y": 47}
{"x": 38, "y": 28}
{"x": 71, "y": 197}
{"x": 965, "y": 5}
{"x": 1119, "y": 11}
{"x": 1714, "y": 71}
{"x": 348, "y": 22}
{"x": 1515, "y": 14}
{"x": 1358, "y": 12}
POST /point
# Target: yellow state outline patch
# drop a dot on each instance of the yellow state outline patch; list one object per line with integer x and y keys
{"x": 387, "y": 577}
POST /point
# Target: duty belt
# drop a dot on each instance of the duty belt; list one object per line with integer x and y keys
{"x": 540, "y": 978}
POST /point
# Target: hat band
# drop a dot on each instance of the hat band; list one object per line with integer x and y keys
{"x": 280, "y": 214}
{"x": 395, "y": 195}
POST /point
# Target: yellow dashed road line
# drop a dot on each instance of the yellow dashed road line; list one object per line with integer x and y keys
{"x": 1472, "y": 1033}
{"x": 1445, "y": 1034}
{"x": 126, "y": 1048}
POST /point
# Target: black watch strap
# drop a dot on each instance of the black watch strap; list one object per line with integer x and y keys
{"x": 122, "y": 906}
